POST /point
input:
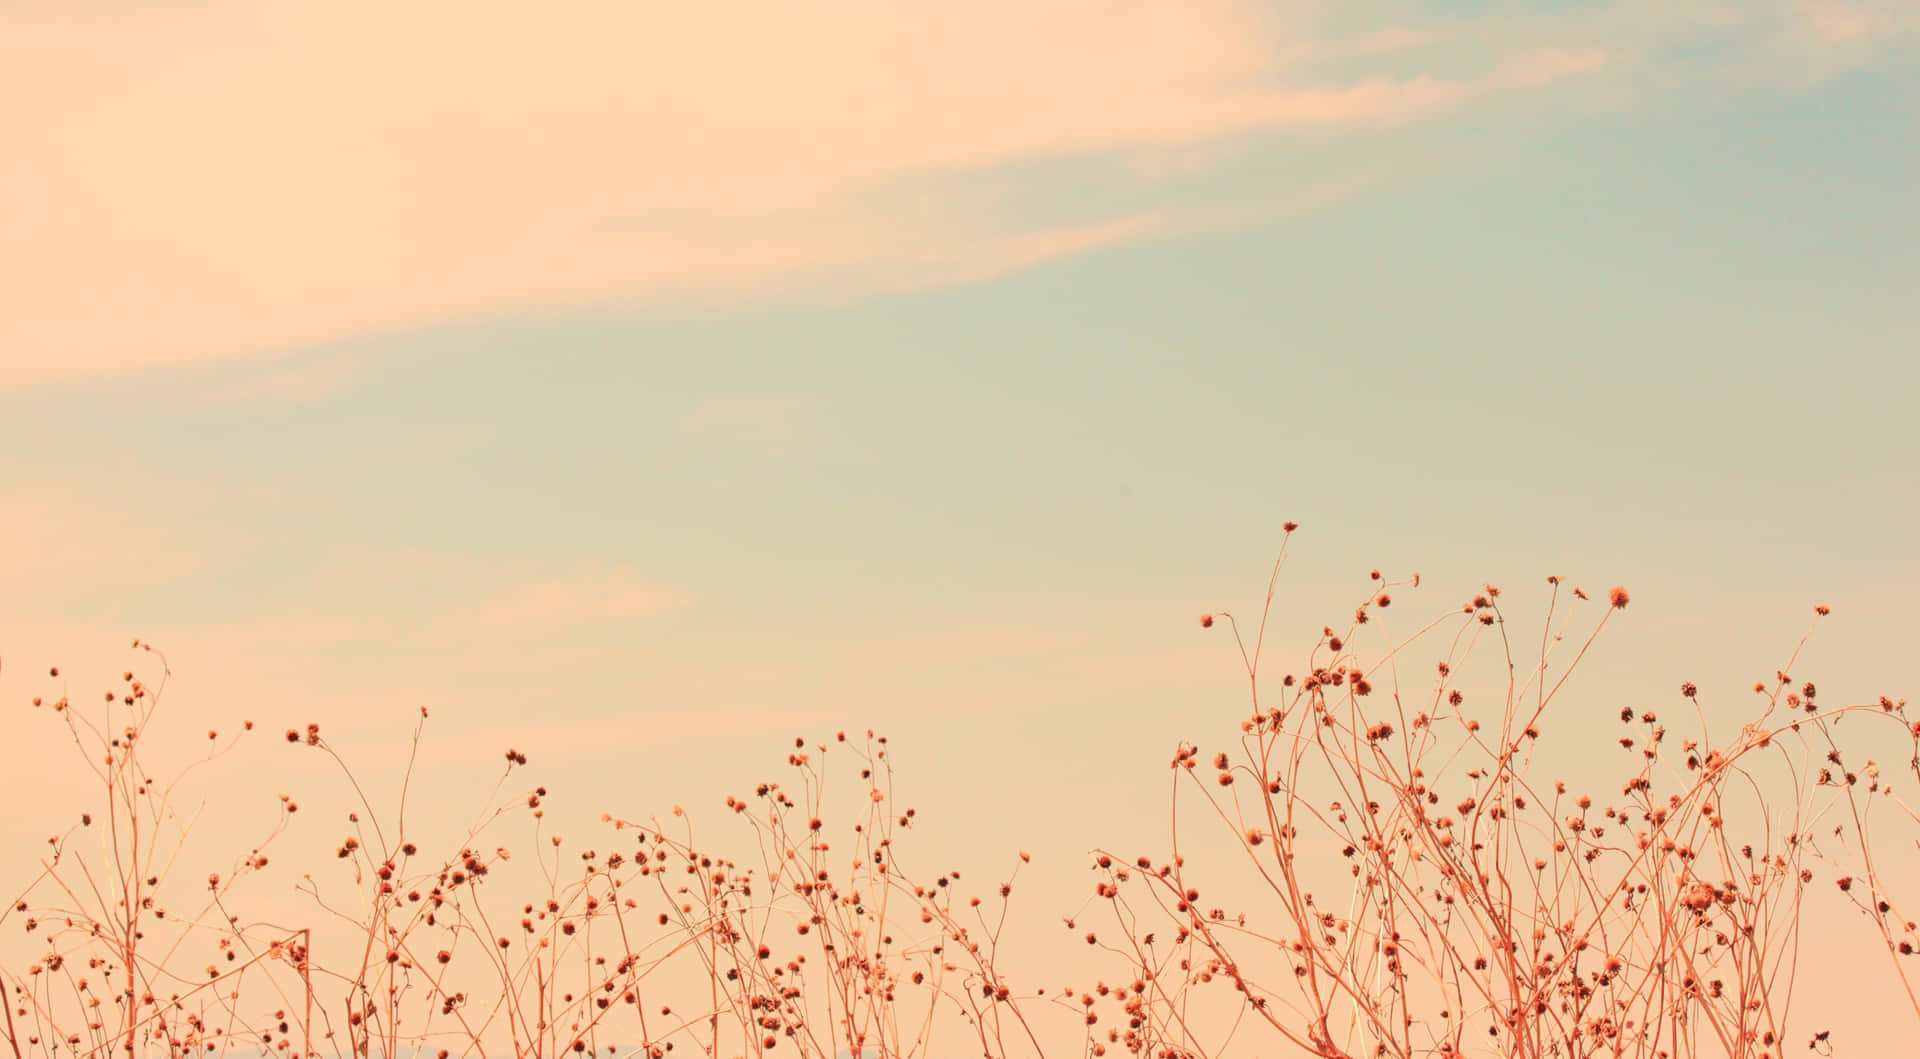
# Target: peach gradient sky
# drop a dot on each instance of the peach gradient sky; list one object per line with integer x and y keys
{"x": 643, "y": 385}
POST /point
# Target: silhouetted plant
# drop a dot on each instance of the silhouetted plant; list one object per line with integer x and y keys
{"x": 1416, "y": 891}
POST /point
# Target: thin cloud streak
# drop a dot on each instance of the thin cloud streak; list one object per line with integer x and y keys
{"x": 593, "y": 595}
{"x": 67, "y": 545}
{"x": 469, "y": 605}
{"x": 155, "y": 227}
{"x": 773, "y": 421}
{"x": 298, "y": 383}
{"x": 1837, "y": 23}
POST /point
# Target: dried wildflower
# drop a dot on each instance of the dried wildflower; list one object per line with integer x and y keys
{"x": 1618, "y": 597}
{"x": 1206, "y": 621}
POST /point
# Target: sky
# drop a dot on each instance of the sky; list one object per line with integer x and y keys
{"x": 644, "y": 385}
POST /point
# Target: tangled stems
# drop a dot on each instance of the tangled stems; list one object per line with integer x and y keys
{"x": 1409, "y": 885}
{"x": 1484, "y": 907}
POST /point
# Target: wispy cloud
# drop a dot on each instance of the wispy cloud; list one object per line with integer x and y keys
{"x": 1838, "y": 23}
{"x": 773, "y": 421}
{"x": 956, "y": 646}
{"x": 206, "y": 172}
{"x": 592, "y": 595}
{"x": 432, "y": 599}
{"x": 308, "y": 381}
{"x": 73, "y": 555}
{"x": 65, "y": 544}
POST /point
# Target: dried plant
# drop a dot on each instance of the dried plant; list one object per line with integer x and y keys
{"x": 1479, "y": 909}
{"x": 1406, "y": 885}
{"x": 811, "y": 947}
